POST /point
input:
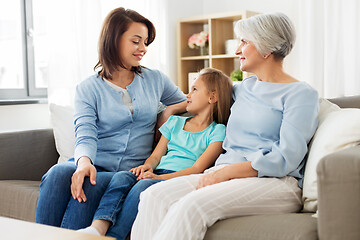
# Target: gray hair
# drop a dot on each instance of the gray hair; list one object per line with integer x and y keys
{"x": 271, "y": 33}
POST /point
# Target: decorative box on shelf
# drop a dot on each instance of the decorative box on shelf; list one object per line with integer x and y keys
{"x": 231, "y": 46}
{"x": 191, "y": 79}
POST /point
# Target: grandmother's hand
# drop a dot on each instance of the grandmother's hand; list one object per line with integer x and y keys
{"x": 213, "y": 178}
{"x": 84, "y": 169}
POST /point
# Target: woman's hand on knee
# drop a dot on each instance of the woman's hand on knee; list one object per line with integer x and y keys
{"x": 84, "y": 169}
{"x": 212, "y": 178}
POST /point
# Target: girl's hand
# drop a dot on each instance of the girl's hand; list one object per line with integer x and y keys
{"x": 150, "y": 175}
{"x": 84, "y": 169}
{"x": 141, "y": 169}
{"x": 213, "y": 178}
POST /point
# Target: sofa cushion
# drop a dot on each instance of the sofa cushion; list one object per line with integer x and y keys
{"x": 338, "y": 129}
{"x": 64, "y": 134}
{"x": 19, "y": 198}
{"x": 271, "y": 227}
{"x": 26, "y": 155}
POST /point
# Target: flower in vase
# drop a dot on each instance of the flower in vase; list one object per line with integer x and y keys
{"x": 197, "y": 40}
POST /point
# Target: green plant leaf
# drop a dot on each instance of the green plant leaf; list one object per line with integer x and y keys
{"x": 236, "y": 75}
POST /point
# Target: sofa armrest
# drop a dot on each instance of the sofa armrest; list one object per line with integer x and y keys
{"x": 339, "y": 195}
{"x": 26, "y": 155}
{"x": 347, "y": 102}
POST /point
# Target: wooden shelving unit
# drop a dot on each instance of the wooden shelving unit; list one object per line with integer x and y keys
{"x": 220, "y": 28}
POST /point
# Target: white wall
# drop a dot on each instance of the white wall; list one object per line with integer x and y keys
{"x": 166, "y": 38}
{"x": 24, "y": 117}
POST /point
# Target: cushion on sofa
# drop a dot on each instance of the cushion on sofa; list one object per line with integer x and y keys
{"x": 270, "y": 227}
{"x": 26, "y": 155}
{"x": 62, "y": 123}
{"x": 18, "y": 199}
{"x": 338, "y": 129}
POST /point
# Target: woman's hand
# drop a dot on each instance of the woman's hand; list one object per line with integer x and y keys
{"x": 213, "y": 178}
{"x": 138, "y": 171}
{"x": 236, "y": 170}
{"x": 150, "y": 175}
{"x": 84, "y": 169}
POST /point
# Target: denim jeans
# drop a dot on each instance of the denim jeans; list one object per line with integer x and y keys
{"x": 56, "y": 207}
{"x": 120, "y": 201}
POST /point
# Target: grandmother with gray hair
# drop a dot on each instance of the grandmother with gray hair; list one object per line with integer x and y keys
{"x": 272, "y": 120}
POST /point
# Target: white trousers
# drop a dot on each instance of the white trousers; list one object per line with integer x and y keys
{"x": 174, "y": 209}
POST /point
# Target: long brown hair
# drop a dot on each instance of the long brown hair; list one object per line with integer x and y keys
{"x": 115, "y": 24}
{"x": 220, "y": 84}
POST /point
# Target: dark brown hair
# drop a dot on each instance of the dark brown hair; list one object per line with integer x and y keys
{"x": 220, "y": 84}
{"x": 115, "y": 24}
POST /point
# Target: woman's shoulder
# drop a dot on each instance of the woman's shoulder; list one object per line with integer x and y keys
{"x": 90, "y": 81}
{"x": 90, "y": 88}
{"x": 148, "y": 72}
{"x": 302, "y": 93}
{"x": 303, "y": 89}
{"x": 153, "y": 76}
{"x": 247, "y": 82}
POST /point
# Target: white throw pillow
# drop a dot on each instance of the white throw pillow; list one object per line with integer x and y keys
{"x": 63, "y": 127}
{"x": 338, "y": 129}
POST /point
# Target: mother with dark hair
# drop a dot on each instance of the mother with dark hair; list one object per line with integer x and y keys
{"x": 115, "y": 116}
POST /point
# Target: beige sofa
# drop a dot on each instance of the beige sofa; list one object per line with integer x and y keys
{"x": 26, "y": 155}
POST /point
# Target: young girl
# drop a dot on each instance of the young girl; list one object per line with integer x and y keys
{"x": 188, "y": 145}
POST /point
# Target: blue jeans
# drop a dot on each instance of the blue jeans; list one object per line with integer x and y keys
{"x": 56, "y": 207}
{"x": 120, "y": 201}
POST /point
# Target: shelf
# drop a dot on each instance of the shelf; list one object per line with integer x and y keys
{"x": 224, "y": 56}
{"x": 206, "y": 57}
{"x": 220, "y": 28}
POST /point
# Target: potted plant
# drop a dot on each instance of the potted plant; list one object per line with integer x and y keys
{"x": 236, "y": 75}
{"x": 199, "y": 40}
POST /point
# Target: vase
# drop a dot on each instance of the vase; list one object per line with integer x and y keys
{"x": 204, "y": 51}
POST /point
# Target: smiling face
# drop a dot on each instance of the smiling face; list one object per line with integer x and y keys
{"x": 198, "y": 98}
{"x": 250, "y": 58}
{"x": 133, "y": 45}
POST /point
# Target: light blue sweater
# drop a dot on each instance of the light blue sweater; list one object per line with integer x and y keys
{"x": 270, "y": 125}
{"x": 106, "y": 131}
